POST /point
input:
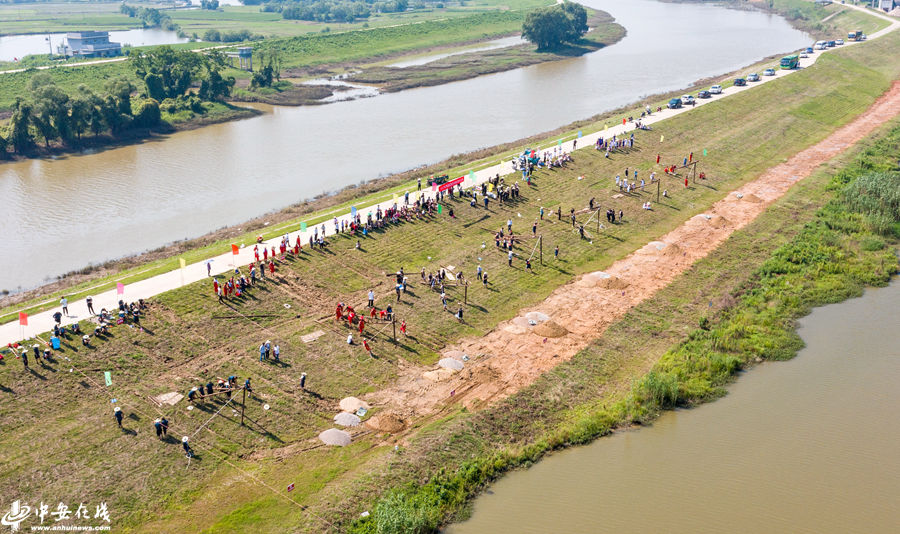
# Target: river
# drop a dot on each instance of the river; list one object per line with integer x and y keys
{"x": 807, "y": 445}
{"x": 17, "y": 46}
{"x": 62, "y": 213}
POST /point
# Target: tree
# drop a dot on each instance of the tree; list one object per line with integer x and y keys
{"x": 552, "y": 26}
{"x": 19, "y": 136}
{"x": 214, "y": 87}
{"x": 120, "y": 90}
{"x": 148, "y": 114}
{"x": 178, "y": 69}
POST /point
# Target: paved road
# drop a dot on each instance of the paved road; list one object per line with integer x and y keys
{"x": 43, "y": 322}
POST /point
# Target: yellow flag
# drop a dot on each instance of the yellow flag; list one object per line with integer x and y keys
{"x": 181, "y": 262}
{"x": 605, "y": 128}
{"x": 662, "y": 138}
{"x": 490, "y": 187}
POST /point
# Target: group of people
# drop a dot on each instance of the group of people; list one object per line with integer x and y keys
{"x": 228, "y": 386}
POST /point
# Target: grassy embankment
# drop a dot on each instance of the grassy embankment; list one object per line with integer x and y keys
{"x": 188, "y": 337}
{"x": 199, "y": 249}
{"x": 823, "y": 243}
{"x": 832, "y": 21}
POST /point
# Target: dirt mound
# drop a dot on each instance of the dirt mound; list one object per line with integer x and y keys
{"x": 333, "y": 436}
{"x": 351, "y": 404}
{"x": 550, "y": 329}
{"x": 751, "y": 198}
{"x": 386, "y": 422}
{"x": 438, "y": 374}
{"x": 717, "y": 221}
{"x": 671, "y": 250}
{"x": 346, "y": 419}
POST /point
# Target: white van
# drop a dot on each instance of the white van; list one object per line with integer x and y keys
{"x": 821, "y": 45}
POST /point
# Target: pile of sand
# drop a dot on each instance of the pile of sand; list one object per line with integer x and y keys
{"x": 455, "y": 354}
{"x": 671, "y": 250}
{"x": 537, "y": 317}
{"x": 451, "y": 363}
{"x": 550, "y": 329}
{"x": 333, "y": 436}
{"x": 717, "y": 221}
{"x": 521, "y": 321}
{"x": 515, "y": 329}
{"x": 346, "y": 419}
{"x": 438, "y": 374}
{"x": 751, "y": 198}
{"x": 351, "y": 404}
{"x": 386, "y": 422}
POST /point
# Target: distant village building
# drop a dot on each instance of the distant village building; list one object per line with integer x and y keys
{"x": 89, "y": 44}
{"x": 885, "y": 5}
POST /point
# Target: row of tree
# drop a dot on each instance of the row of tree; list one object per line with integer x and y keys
{"x": 231, "y": 36}
{"x": 151, "y": 18}
{"x": 334, "y": 10}
{"x": 48, "y": 113}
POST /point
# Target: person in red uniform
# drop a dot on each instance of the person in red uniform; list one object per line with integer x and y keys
{"x": 272, "y": 267}
{"x": 367, "y": 347}
{"x": 403, "y": 327}
{"x": 339, "y": 311}
{"x": 362, "y": 324}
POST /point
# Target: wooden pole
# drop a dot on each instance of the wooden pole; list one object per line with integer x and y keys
{"x": 394, "y": 325}
{"x": 598, "y": 221}
{"x": 466, "y": 294}
{"x": 243, "y": 403}
{"x": 657, "y": 190}
{"x": 541, "y": 243}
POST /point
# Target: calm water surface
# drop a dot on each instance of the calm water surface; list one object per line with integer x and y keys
{"x": 804, "y": 446}
{"x": 61, "y": 214}
{"x": 17, "y": 46}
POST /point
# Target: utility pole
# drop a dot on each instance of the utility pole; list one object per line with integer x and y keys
{"x": 541, "y": 245}
{"x": 394, "y": 325}
{"x": 243, "y": 403}
{"x": 466, "y": 293}
{"x": 657, "y": 189}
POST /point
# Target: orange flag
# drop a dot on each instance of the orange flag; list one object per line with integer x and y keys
{"x": 235, "y": 249}
{"x": 23, "y": 318}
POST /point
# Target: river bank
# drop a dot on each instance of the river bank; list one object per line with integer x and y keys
{"x": 388, "y": 79}
{"x": 189, "y": 336}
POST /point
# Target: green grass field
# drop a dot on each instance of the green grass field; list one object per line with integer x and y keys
{"x": 237, "y": 482}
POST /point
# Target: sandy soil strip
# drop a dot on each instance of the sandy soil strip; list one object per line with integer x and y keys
{"x": 517, "y": 351}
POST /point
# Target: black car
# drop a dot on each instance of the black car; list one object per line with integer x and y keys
{"x": 704, "y": 94}
{"x": 740, "y": 82}
{"x": 439, "y": 179}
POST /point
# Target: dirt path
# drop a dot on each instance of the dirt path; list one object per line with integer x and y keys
{"x": 517, "y": 351}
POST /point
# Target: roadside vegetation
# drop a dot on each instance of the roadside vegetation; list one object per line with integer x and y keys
{"x": 188, "y": 338}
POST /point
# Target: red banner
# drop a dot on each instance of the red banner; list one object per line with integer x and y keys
{"x": 23, "y": 318}
{"x": 451, "y": 183}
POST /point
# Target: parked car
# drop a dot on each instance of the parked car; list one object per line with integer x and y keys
{"x": 809, "y": 50}
{"x": 769, "y": 72}
{"x": 715, "y": 90}
{"x": 753, "y": 77}
{"x": 830, "y": 44}
{"x": 687, "y": 100}
{"x": 863, "y": 38}
{"x": 839, "y": 42}
{"x": 821, "y": 45}
{"x": 803, "y": 53}
{"x": 740, "y": 82}
{"x": 675, "y": 103}
{"x": 703, "y": 94}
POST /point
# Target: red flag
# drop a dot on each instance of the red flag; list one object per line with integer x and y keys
{"x": 657, "y": 159}
{"x": 235, "y": 249}
{"x": 23, "y": 318}
{"x": 120, "y": 288}
{"x": 623, "y": 122}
